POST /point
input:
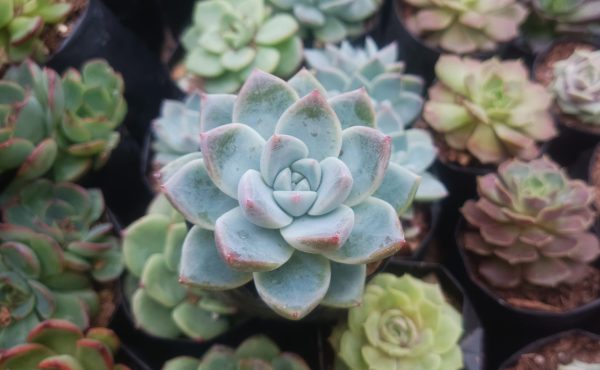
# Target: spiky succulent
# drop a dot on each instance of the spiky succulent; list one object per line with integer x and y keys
{"x": 464, "y": 27}
{"x": 256, "y": 353}
{"x": 71, "y": 215}
{"x": 177, "y": 130}
{"x": 21, "y": 24}
{"x": 58, "y": 344}
{"x": 579, "y": 365}
{"x": 403, "y": 323}
{"x": 490, "y": 109}
{"x": 161, "y": 306}
{"x": 95, "y": 107}
{"x": 531, "y": 225}
{"x": 229, "y": 38}
{"x": 346, "y": 68}
{"x": 298, "y": 194}
{"x": 330, "y": 21}
{"x": 31, "y": 106}
{"x": 576, "y": 86}
{"x": 36, "y": 283}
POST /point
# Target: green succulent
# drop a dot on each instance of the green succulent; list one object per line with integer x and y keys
{"x": 256, "y": 353}
{"x": 489, "y": 109}
{"x": 531, "y": 225}
{"x": 464, "y": 27}
{"x": 58, "y": 344}
{"x": 95, "y": 107}
{"x": 330, "y": 21}
{"x": 71, "y": 215}
{"x": 576, "y": 86}
{"x": 403, "y": 323}
{"x": 36, "y": 283}
{"x": 177, "y": 130}
{"x": 347, "y": 68}
{"x": 579, "y": 365}
{"x": 21, "y": 25}
{"x": 297, "y": 195}
{"x": 229, "y": 38}
{"x": 161, "y": 306}
{"x": 31, "y": 106}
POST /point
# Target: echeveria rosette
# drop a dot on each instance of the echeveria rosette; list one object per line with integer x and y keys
{"x": 490, "y": 109}
{"x": 576, "y": 86}
{"x": 299, "y": 192}
{"x": 71, "y": 215}
{"x": 330, "y": 21}
{"x": 58, "y": 344}
{"x": 347, "y": 68}
{"x": 579, "y": 365}
{"x": 256, "y": 353}
{"x": 229, "y": 38}
{"x": 465, "y": 27}
{"x": 531, "y": 225}
{"x": 36, "y": 285}
{"x": 177, "y": 130}
{"x": 403, "y": 323}
{"x": 160, "y": 305}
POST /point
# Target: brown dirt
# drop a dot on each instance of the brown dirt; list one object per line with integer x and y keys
{"x": 544, "y": 74}
{"x": 54, "y": 35}
{"x": 108, "y": 304}
{"x": 421, "y": 220}
{"x": 561, "y": 352}
{"x": 595, "y": 176}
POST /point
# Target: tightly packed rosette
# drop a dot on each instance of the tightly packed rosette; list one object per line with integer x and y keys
{"x": 297, "y": 194}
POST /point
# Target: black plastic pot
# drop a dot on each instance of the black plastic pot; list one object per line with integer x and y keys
{"x": 433, "y": 211}
{"x": 540, "y": 343}
{"x": 178, "y": 14}
{"x": 98, "y": 34}
{"x": 472, "y": 342}
{"x": 127, "y": 357}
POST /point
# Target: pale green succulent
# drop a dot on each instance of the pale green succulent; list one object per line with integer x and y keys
{"x": 579, "y": 365}
{"x": 464, "y": 27}
{"x": 298, "y": 194}
{"x": 177, "y": 130}
{"x": 403, "y": 323}
{"x": 576, "y": 86}
{"x": 346, "y": 68}
{"x": 161, "y": 306}
{"x": 230, "y": 38}
{"x": 330, "y": 21}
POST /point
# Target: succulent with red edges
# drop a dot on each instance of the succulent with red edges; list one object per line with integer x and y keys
{"x": 531, "y": 225}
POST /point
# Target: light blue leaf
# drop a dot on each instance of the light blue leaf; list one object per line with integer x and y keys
{"x": 217, "y": 110}
{"x": 305, "y": 82}
{"x": 257, "y": 203}
{"x": 430, "y": 189}
{"x": 354, "y": 108}
{"x": 399, "y": 187}
{"x": 336, "y": 185}
{"x": 346, "y": 286}
{"x": 279, "y": 152}
{"x": 295, "y": 203}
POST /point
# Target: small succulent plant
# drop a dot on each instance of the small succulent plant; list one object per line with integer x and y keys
{"x": 95, "y": 107}
{"x": 579, "y": 365}
{"x": 576, "y": 86}
{"x": 531, "y": 225}
{"x": 464, "y": 27}
{"x": 37, "y": 284}
{"x": 490, "y": 109}
{"x": 177, "y": 130}
{"x": 161, "y": 306}
{"x": 31, "y": 106}
{"x": 256, "y": 353}
{"x": 346, "y": 68}
{"x": 58, "y": 344}
{"x": 403, "y": 323}
{"x": 71, "y": 215}
{"x": 329, "y": 21}
{"x": 22, "y": 22}
{"x": 287, "y": 196}
{"x": 229, "y": 38}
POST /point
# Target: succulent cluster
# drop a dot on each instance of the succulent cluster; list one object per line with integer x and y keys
{"x": 490, "y": 109}
{"x": 346, "y": 68}
{"x": 161, "y": 306}
{"x": 58, "y": 344}
{"x": 330, "y": 21}
{"x": 464, "y": 27}
{"x": 403, "y": 323}
{"x": 177, "y": 130}
{"x": 531, "y": 225}
{"x": 579, "y": 365}
{"x": 297, "y": 195}
{"x": 256, "y": 353}
{"x": 230, "y": 38}
{"x": 575, "y": 17}
{"x": 576, "y": 86}
{"x": 22, "y": 22}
